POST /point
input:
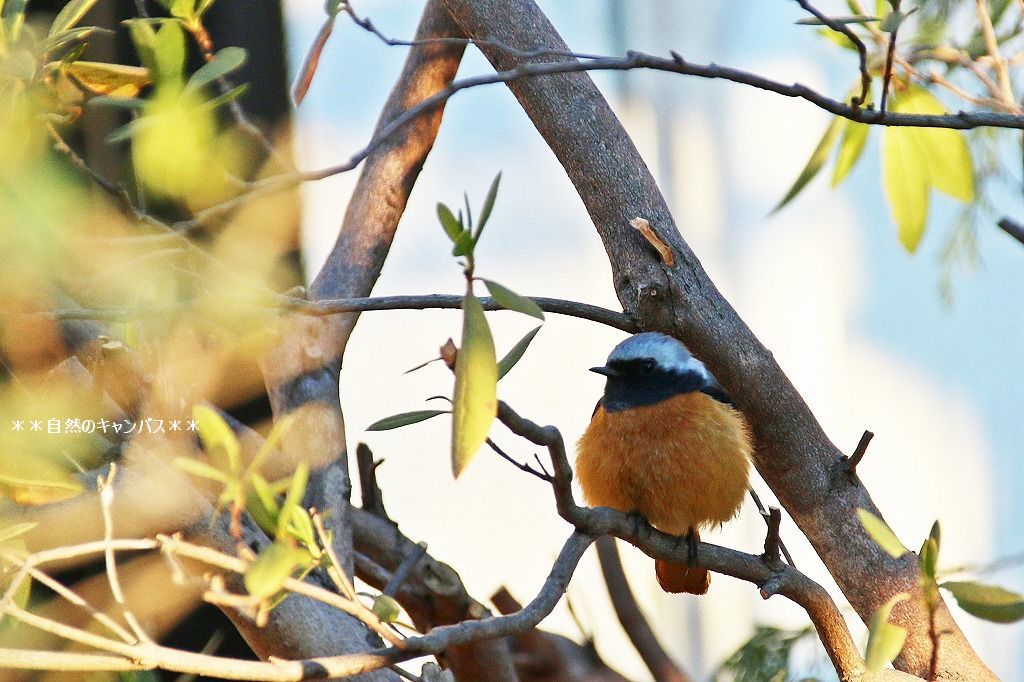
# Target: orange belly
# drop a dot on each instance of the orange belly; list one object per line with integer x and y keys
{"x": 683, "y": 463}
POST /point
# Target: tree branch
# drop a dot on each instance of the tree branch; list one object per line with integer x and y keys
{"x": 633, "y": 621}
{"x": 792, "y": 453}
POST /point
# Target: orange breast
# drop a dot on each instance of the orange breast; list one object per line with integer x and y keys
{"x": 682, "y": 463}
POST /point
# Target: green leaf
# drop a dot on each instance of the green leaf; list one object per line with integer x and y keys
{"x": 463, "y": 244}
{"x": 224, "y": 62}
{"x": 404, "y": 419}
{"x": 218, "y": 438}
{"x": 267, "y": 574}
{"x": 814, "y": 164}
{"x": 281, "y": 427}
{"x": 855, "y": 19}
{"x": 130, "y": 129}
{"x": 517, "y": 351}
{"x": 485, "y": 212}
{"x": 170, "y": 53}
{"x": 936, "y": 534}
{"x": 885, "y": 640}
{"x": 946, "y": 156}
{"x": 54, "y": 43}
{"x": 14, "y": 18}
{"x": 929, "y": 557}
{"x": 197, "y": 468}
{"x": 119, "y": 102}
{"x": 70, "y": 15}
{"x": 476, "y": 385}
{"x": 855, "y": 135}
{"x": 182, "y": 9}
{"x": 293, "y": 499}
{"x": 386, "y": 608}
{"x": 452, "y": 227}
{"x": 301, "y": 527}
{"x": 15, "y": 530}
{"x": 263, "y": 506}
{"x": 510, "y": 300}
{"x": 20, "y": 599}
{"x": 906, "y": 183}
{"x": 882, "y": 534}
{"x": 987, "y": 602}
{"x": 223, "y": 98}
{"x": 144, "y": 37}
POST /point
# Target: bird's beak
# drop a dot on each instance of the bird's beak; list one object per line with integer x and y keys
{"x": 607, "y": 371}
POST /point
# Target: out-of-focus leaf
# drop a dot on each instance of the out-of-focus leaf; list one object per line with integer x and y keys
{"x": 451, "y": 226}
{"x": 463, "y": 244}
{"x": 271, "y": 568}
{"x": 144, "y": 37}
{"x": 485, "y": 212}
{"x": 293, "y": 499}
{"x": 14, "y": 18}
{"x": 119, "y": 102}
{"x": 281, "y": 427}
{"x": 312, "y": 60}
{"x": 202, "y": 469}
{"x": 262, "y": 507}
{"x": 855, "y": 19}
{"x": 517, "y": 351}
{"x": 404, "y": 419}
{"x": 947, "y": 158}
{"x": 885, "y": 640}
{"x": 936, "y": 534}
{"x": 987, "y": 602}
{"x": 20, "y": 599}
{"x": 906, "y": 183}
{"x": 837, "y": 39}
{"x": 476, "y": 383}
{"x": 15, "y": 530}
{"x": 170, "y": 53}
{"x": 882, "y": 534}
{"x": 510, "y": 300}
{"x": 386, "y": 608}
{"x": 113, "y": 80}
{"x": 855, "y": 135}
{"x": 224, "y": 62}
{"x": 301, "y": 527}
{"x": 814, "y": 164}
{"x": 224, "y": 97}
{"x": 70, "y": 15}
{"x": 218, "y": 438}
{"x": 56, "y": 42}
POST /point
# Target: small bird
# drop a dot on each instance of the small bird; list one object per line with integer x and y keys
{"x": 665, "y": 442}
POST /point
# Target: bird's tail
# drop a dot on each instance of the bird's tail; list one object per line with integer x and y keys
{"x": 678, "y": 577}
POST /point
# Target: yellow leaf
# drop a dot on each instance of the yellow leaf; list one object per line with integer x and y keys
{"x": 113, "y": 80}
{"x": 476, "y": 385}
{"x": 945, "y": 152}
{"x": 906, "y": 183}
{"x": 855, "y": 135}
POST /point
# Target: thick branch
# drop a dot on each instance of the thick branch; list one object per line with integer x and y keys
{"x": 793, "y": 454}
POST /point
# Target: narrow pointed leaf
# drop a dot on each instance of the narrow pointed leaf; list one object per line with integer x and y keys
{"x": 476, "y": 381}
{"x": 451, "y": 226}
{"x": 936, "y": 534}
{"x": 225, "y": 97}
{"x": 224, "y": 62}
{"x": 814, "y": 164}
{"x": 885, "y": 640}
{"x": 463, "y": 244}
{"x": 929, "y": 557}
{"x": 170, "y": 52}
{"x": 854, "y": 19}
{"x": 404, "y": 419}
{"x": 293, "y": 499}
{"x": 855, "y": 135}
{"x": 312, "y": 61}
{"x": 517, "y": 351}
{"x": 15, "y": 530}
{"x": 987, "y": 602}
{"x": 905, "y": 180}
{"x": 947, "y": 157}
{"x": 202, "y": 469}
{"x": 70, "y": 15}
{"x": 485, "y": 212}
{"x": 510, "y": 300}
{"x": 217, "y": 437}
{"x": 882, "y": 534}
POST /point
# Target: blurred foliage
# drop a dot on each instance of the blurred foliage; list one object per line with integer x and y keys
{"x": 943, "y": 62}
{"x": 765, "y": 657}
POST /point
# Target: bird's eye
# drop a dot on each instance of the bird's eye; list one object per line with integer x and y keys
{"x": 647, "y": 366}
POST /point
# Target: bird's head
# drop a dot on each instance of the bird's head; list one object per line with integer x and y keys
{"x": 648, "y": 368}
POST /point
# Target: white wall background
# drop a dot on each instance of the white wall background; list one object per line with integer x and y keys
{"x": 858, "y": 324}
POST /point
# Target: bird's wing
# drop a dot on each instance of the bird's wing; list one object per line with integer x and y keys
{"x": 596, "y": 408}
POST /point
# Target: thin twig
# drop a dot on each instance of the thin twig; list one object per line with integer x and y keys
{"x": 992, "y": 46}
{"x": 862, "y": 50}
{"x": 401, "y": 574}
{"x": 522, "y": 466}
{"x": 771, "y": 538}
{"x": 1012, "y": 228}
{"x": 334, "y": 570}
{"x": 859, "y": 451}
{"x": 767, "y": 517}
{"x": 106, "y": 495}
{"x": 890, "y": 53}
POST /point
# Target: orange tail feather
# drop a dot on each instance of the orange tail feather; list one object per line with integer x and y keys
{"x": 677, "y": 577}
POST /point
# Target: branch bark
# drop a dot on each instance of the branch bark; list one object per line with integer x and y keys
{"x": 302, "y": 371}
{"x": 793, "y": 454}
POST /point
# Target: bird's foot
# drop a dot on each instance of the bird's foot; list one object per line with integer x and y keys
{"x": 639, "y": 521}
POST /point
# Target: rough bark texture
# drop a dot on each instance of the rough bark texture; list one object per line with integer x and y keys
{"x": 795, "y": 457}
{"x": 302, "y": 373}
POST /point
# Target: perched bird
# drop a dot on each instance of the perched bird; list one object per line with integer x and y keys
{"x": 665, "y": 442}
